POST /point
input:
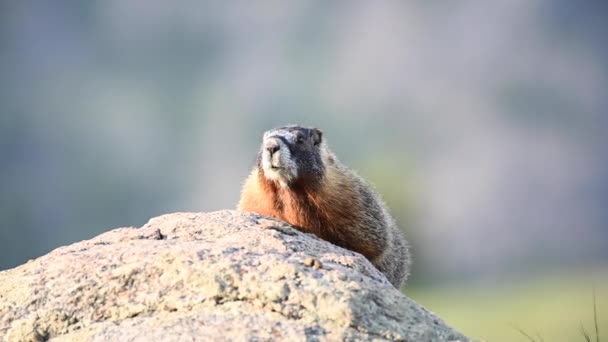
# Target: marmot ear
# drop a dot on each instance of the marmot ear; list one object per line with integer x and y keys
{"x": 317, "y": 136}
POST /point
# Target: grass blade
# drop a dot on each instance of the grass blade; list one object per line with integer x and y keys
{"x": 540, "y": 338}
{"x": 521, "y": 331}
{"x": 597, "y": 330}
{"x": 585, "y": 333}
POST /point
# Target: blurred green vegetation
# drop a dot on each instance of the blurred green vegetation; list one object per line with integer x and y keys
{"x": 550, "y": 308}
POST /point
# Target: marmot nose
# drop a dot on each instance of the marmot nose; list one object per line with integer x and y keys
{"x": 272, "y": 146}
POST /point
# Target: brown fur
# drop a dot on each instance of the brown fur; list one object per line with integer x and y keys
{"x": 321, "y": 209}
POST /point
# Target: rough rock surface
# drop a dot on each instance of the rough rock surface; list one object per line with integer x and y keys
{"x": 216, "y": 276}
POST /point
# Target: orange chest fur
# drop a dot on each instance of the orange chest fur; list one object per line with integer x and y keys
{"x": 311, "y": 211}
{"x": 298, "y": 209}
{"x": 330, "y": 214}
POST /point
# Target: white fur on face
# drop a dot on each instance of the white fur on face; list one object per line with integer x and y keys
{"x": 279, "y": 167}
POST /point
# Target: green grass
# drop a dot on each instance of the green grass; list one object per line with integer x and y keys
{"x": 551, "y": 308}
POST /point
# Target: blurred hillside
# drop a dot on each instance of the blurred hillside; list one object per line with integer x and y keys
{"x": 482, "y": 124}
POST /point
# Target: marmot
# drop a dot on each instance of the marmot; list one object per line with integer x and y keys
{"x": 299, "y": 180}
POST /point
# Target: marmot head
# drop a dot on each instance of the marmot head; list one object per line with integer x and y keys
{"x": 291, "y": 154}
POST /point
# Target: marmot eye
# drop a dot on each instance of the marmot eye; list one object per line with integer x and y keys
{"x": 300, "y": 140}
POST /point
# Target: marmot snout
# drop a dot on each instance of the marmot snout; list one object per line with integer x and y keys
{"x": 299, "y": 180}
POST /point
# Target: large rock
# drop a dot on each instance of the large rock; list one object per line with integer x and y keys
{"x": 218, "y": 276}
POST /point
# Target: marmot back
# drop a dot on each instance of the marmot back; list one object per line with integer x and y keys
{"x": 299, "y": 180}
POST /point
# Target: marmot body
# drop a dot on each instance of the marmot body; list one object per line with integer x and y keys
{"x": 299, "y": 180}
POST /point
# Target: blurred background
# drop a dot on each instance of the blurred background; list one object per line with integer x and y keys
{"x": 483, "y": 125}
